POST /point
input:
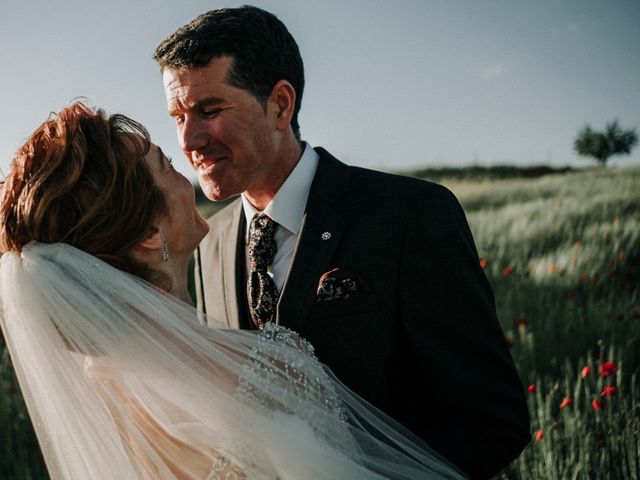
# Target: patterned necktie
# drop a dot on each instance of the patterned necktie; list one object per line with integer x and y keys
{"x": 261, "y": 290}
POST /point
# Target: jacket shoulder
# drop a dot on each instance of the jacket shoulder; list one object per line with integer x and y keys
{"x": 392, "y": 182}
{"x": 398, "y": 192}
{"x": 377, "y": 185}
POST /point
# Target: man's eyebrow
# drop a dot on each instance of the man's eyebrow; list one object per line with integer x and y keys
{"x": 209, "y": 101}
{"x": 199, "y": 104}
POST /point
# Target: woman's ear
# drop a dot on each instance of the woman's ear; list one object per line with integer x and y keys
{"x": 153, "y": 241}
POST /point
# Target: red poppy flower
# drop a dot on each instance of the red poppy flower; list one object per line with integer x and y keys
{"x": 11, "y": 389}
{"x": 509, "y": 341}
{"x": 608, "y": 391}
{"x": 539, "y": 435}
{"x": 483, "y": 263}
{"x": 532, "y": 388}
{"x": 566, "y": 401}
{"x": 596, "y": 404}
{"x": 506, "y": 271}
{"x": 585, "y": 372}
{"x": 607, "y": 369}
{"x": 521, "y": 323}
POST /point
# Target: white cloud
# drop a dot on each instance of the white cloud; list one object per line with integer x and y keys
{"x": 491, "y": 72}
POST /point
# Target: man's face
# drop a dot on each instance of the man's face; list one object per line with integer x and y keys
{"x": 228, "y": 137}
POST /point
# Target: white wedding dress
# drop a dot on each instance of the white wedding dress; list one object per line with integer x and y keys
{"x": 123, "y": 381}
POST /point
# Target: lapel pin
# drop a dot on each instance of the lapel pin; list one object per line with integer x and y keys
{"x": 326, "y": 236}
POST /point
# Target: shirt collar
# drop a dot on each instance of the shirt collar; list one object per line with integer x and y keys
{"x": 287, "y": 206}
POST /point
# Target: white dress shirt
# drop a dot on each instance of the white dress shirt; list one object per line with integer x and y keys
{"x": 287, "y": 210}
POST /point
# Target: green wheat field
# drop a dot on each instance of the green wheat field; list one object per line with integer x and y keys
{"x": 562, "y": 251}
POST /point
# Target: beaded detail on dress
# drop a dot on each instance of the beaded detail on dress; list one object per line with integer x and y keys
{"x": 283, "y": 376}
{"x": 223, "y": 469}
{"x": 302, "y": 387}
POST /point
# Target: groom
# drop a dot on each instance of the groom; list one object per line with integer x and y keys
{"x": 379, "y": 272}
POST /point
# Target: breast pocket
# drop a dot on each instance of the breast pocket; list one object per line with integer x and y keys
{"x": 351, "y": 320}
{"x": 355, "y": 339}
{"x": 353, "y": 306}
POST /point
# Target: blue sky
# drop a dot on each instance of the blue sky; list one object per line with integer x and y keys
{"x": 390, "y": 84}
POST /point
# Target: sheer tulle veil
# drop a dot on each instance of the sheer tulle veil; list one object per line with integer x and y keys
{"x": 122, "y": 381}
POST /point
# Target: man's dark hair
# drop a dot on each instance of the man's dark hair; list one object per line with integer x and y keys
{"x": 263, "y": 51}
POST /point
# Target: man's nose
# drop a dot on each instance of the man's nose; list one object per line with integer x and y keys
{"x": 192, "y": 135}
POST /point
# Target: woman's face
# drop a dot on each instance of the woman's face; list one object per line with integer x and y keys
{"x": 184, "y": 227}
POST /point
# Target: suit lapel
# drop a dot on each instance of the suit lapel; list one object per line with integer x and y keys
{"x": 314, "y": 250}
{"x": 232, "y": 240}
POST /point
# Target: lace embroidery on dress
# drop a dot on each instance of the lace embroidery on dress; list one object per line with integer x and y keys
{"x": 282, "y": 376}
{"x": 284, "y": 360}
{"x": 223, "y": 469}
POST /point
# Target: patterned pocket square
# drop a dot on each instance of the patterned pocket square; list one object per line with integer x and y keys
{"x": 337, "y": 284}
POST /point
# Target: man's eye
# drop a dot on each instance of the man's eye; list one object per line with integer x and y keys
{"x": 211, "y": 113}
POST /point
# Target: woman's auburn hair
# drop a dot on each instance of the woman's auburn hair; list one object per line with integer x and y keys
{"x": 81, "y": 179}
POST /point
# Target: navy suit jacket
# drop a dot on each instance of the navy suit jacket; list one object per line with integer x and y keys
{"x": 422, "y": 343}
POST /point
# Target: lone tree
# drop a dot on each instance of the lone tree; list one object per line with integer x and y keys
{"x": 602, "y": 145}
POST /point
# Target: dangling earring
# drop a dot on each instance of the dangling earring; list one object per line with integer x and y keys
{"x": 165, "y": 249}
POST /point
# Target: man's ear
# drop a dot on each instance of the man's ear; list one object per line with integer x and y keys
{"x": 283, "y": 100}
{"x": 153, "y": 241}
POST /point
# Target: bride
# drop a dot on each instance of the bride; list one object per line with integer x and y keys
{"x": 121, "y": 376}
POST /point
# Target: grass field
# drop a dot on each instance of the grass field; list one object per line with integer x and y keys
{"x": 562, "y": 252}
{"x": 563, "y": 255}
